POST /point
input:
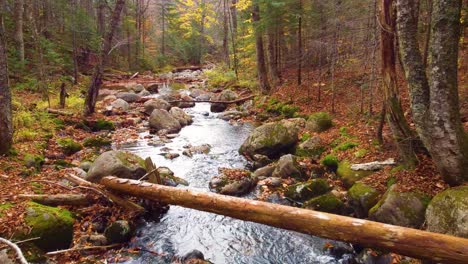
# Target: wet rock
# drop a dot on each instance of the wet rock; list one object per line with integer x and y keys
{"x": 205, "y": 114}
{"x": 447, "y": 212}
{"x": 273, "y": 182}
{"x": 362, "y": 198}
{"x": 319, "y": 122}
{"x": 276, "y": 198}
{"x": 233, "y": 182}
{"x": 170, "y": 156}
{"x": 307, "y": 190}
{"x": 231, "y": 115}
{"x": 169, "y": 178}
{"x": 271, "y": 139}
{"x": 137, "y": 88}
{"x": 179, "y": 114}
{"x": 118, "y": 232}
{"x": 288, "y": 167}
{"x": 156, "y": 104}
{"x": 226, "y": 95}
{"x": 260, "y": 161}
{"x": 313, "y": 147}
{"x": 144, "y": 93}
{"x": 325, "y": 203}
{"x": 194, "y": 257}
{"x": 266, "y": 171}
{"x": 153, "y": 88}
{"x": 404, "y": 209}
{"x": 349, "y": 176}
{"x": 187, "y": 102}
{"x": 94, "y": 240}
{"x": 128, "y": 97}
{"x": 161, "y": 119}
{"x": 116, "y": 163}
{"x": 120, "y": 105}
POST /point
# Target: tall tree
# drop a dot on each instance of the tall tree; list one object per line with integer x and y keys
{"x": 93, "y": 90}
{"x": 6, "y": 127}
{"x": 434, "y": 95}
{"x": 261, "y": 67}
{"x": 19, "y": 38}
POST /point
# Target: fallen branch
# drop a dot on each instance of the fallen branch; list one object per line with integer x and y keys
{"x": 84, "y": 249}
{"x": 214, "y": 102}
{"x": 58, "y": 199}
{"x": 58, "y": 112}
{"x": 111, "y": 196}
{"x": 22, "y": 241}
{"x": 134, "y": 75}
{"x": 19, "y": 254}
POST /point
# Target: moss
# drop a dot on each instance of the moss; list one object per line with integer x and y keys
{"x": 129, "y": 159}
{"x": 305, "y": 137}
{"x": 289, "y": 111}
{"x": 325, "y": 203}
{"x": 361, "y": 153}
{"x": 330, "y": 161}
{"x": 319, "y": 122}
{"x": 391, "y": 181}
{"x": 34, "y": 161}
{"x": 301, "y": 152}
{"x": 118, "y": 232}
{"x": 363, "y": 196}
{"x": 344, "y": 131}
{"x": 346, "y": 145}
{"x": 306, "y": 190}
{"x": 53, "y": 225}
{"x": 100, "y": 125}
{"x": 69, "y": 146}
{"x": 97, "y": 142}
{"x": 349, "y": 176}
{"x": 60, "y": 164}
{"x": 397, "y": 169}
{"x": 5, "y": 206}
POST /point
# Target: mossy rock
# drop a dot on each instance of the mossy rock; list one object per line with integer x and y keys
{"x": 117, "y": 163}
{"x": 361, "y": 153}
{"x": 319, "y": 122}
{"x": 34, "y": 161}
{"x": 288, "y": 166}
{"x": 400, "y": 208}
{"x": 349, "y": 176}
{"x": 325, "y": 203}
{"x": 362, "y": 198}
{"x": 346, "y": 145}
{"x": 102, "y": 124}
{"x": 118, "y": 232}
{"x": 97, "y": 142}
{"x": 330, "y": 161}
{"x": 69, "y": 146}
{"x": 53, "y": 225}
{"x": 312, "y": 147}
{"x": 447, "y": 212}
{"x": 242, "y": 183}
{"x": 301, "y": 192}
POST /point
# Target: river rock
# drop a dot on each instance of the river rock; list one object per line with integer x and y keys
{"x": 116, "y": 163}
{"x": 319, "y": 122}
{"x": 276, "y": 198}
{"x": 153, "y": 88}
{"x": 226, "y": 95}
{"x": 307, "y": 190}
{"x": 156, "y": 104}
{"x": 194, "y": 93}
{"x": 54, "y": 227}
{"x": 103, "y": 93}
{"x": 169, "y": 179}
{"x": 160, "y": 119}
{"x": 128, "y": 97}
{"x": 288, "y": 167}
{"x": 231, "y": 115}
{"x": 349, "y": 176}
{"x": 194, "y": 257}
{"x": 144, "y": 93}
{"x": 403, "y": 209}
{"x": 85, "y": 165}
{"x": 187, "y": 102}
{"x": 233, "y": 182}
{"x": 137, "y": 88}
{"x": 179, "y": 114}
{"x": 313, "y": 147}
{"x": 266, "y": 171}
{"x": 120, "y": 105}
{"x": 361, "y": 198}
{"x": 271, "y": 139}
{"x": 328, "y": 203}
{"x": 118, "y": 232}
{"x": 447, "y": 212}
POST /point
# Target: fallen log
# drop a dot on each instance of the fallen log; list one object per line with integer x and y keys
{"x": 189, "y": 68}
{"x": 214, "y": 102}
{"x": 112, "y": 197}
{"x": 406, "y": 241}
{"x": 58, "y": 112}
{"x": 19, "y": 254}
{"x": 58, "y": 199}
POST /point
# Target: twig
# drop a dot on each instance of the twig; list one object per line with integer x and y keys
{"x": 19, "y": 254}
{"x": 83, "y": 249}
{"x": 23, "y": 241}
{"x": 146, "y": 175}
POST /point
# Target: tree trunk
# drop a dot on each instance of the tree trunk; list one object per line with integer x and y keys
{"x": 6, "y": 126}
{"x": 406, "y": 241}
{"x": 299, "y": 46}
{"x": 58, "y": 199}
{"x": 272, "y": 56}
{"x": 261, "y": 67}
{"x": 93, "y": 90}
{"x": 19, "y": 39}
{"x": 101, "y": 23}
{"x": 233, "y": 26}
{"x": 400, "y": 129}
{"x": 226, "y": 35}
{"x": 163, "y": 33}
{"x": 74, "y": 42}
{"x": 434, "y": 98}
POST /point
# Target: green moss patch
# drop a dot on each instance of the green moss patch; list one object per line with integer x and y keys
{"x": 346, "y": 145}
{"x": 349, "y": 176}
{"x": 330, "y": 161}
{"x": 129, "y": 159}
{"x": 325, "y": 203}
{"x": 69, "y": 146}
{"x": 362, "y": 198}
{"x": 319, "y": 122}
{"x": 97, "y": 142}
{"x": 304, "y": 191}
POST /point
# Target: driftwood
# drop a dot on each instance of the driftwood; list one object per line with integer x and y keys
{"x": 214, "y": 102}
{"x": 58, "y": 112}
{"x": 406, "y": 241}
{"x": 111, "y": 196}
{"x": 84, "y": 249}
{"x": 58, "y": 199}
{"x": 19, "y": 254}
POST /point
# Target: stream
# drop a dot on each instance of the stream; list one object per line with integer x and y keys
{"x": 221, "y": 239}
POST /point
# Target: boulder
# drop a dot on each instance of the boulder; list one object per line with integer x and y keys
{"x": 233, "y": 182}
{"x": 128, "y": 97}
{"x": 400, "y": 208}
{"x": 160, "y": 119}
{"x": 319, "y": 122}
{"x": 169, "y": 178}
{"x": 271, "y": 139}
{"x": 362, "y": 198}
{"x": 144, "y": 93}
{"x": 118, "y": 232}
{"x": 260, "y": 161}
{"x": 288, "y": 167}
{"x": 54, "y": 227}
{"x": 231, "y": 115}
{"x": 179, "y": 114}
{"x": 226, "y": 95}
{"x": 188, "y": 102}
{"x": 86, "y": 165}
{"x": 301, "y": 192}
{"x": 325, "y": 203}
{"x": 447, "y": 212}
{"x": 116, "y": 163}
{"x": 153, "y": 88}
{"x": 194, "y": 93}
{"x": 103, "y": 93}
{"x": 156, "y": 104}
{"x": 120, "y": 105}
{"x": 137, "y": 88}
{"x": 312, "y": 147}
{"x": 266, "y": 171}
{"x": 349, "y": 176}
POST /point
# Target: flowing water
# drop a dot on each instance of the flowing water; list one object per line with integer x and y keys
{"x": 221, "y": 239}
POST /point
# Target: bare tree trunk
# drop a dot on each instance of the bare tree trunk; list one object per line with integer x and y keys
{"x": 6, "y": 126}
{"x": 261, "y": 68}
{"x": 233, "y": 23}
{"x": 400, "y": 129}
{"x": 101, "y": 24}
{"x": 19, "y": 39}
{"x": 374, "y": 49}
{"x": 299, "y": 46}
{"x": 434, "y": 98}
{"x": 93, "y": 90}
{"x": 272, "y": 57}
{"x": 74, "y": 42}
{"x": 163, "y": 27}
{"x": 226, "y": 35}
{"x": 427, "y": 36}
